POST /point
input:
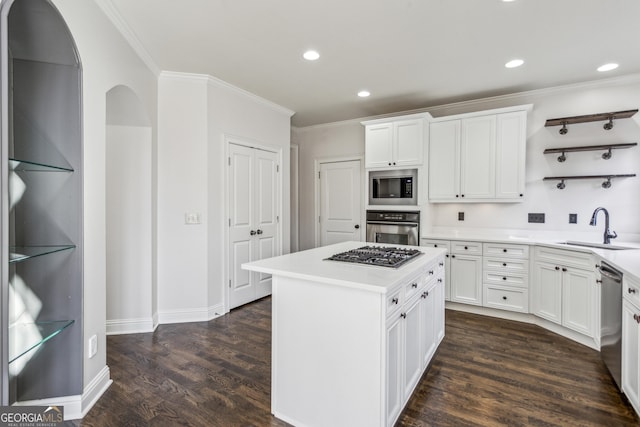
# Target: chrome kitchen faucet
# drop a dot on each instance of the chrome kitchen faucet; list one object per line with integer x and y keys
{"x": 608, "y": 234}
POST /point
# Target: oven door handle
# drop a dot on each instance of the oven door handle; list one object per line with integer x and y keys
{"x": 409, "y": 224}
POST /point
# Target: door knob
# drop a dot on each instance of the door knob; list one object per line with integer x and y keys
{"x": 356, "y": 226}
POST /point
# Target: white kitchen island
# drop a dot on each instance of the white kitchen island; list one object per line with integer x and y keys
{"x": 350, "y": 341}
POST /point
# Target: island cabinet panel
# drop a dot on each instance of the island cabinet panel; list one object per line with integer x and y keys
{"x": 350, "y": 342}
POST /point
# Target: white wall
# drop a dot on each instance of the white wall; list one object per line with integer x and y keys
{"x": 129, "y": 230}
{"x": 107, "y": 61}
{"x": 333, "y": 140}
{"x": 195, "y": 114}
{"x": 581, "y": 197}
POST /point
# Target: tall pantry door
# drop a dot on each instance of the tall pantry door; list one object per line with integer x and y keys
{"x": 253, "y": 220}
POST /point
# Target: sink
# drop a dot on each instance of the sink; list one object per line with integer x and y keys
{"x": 597, "y": 245}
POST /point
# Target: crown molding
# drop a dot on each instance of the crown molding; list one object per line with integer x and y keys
{"x": 112, "y": 13}
{"x": 481, "y": 102}
{"x": 176, "y": 75}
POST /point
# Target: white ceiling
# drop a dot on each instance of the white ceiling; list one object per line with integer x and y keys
{"x": 409, "y": 54}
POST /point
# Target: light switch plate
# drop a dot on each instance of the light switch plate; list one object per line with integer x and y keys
{"x": 573, "y": 218}
{"x": 192, "y": 218}
{"x": 536, "y": 218}
{"x": 93, "y": 346}
{"x": 460, "y": 216}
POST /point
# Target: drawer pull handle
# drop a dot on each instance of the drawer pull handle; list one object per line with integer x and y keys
{"x": 564, "y": 269}
{"x": 425, "y": 294}
{"x": 414, "y": 285}
{"x": 395, "y": 300}
{"x": 504, "y": 278}
{"x": 430, "y": 272}
{"x": 452, "y": 256}
{"x": 557, "y": 268}
{"x": 504, "y": 264}
{"x": 439, "y": 280}
{"x": 636, "y": 318}
{"x": 441, "y": 264}
{"x": 504, "y": 250}
{"x": 504, "y": 298}
{"x": 403, "y": 315}
{"x": 466, "y": 247}
{"x": 631, "y": 290}
{"x": 435, "y": 246}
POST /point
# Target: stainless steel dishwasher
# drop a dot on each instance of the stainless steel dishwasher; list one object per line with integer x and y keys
{"x": 611, "y": 320}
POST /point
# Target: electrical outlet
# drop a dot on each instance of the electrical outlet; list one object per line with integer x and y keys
{"x": 536, "y": 218}
{"x": 93, "y": 346}
{"x": 460, "y": 216}
{"x": 573, "y": 218}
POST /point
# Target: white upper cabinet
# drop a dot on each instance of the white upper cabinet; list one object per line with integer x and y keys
{"x": 478, "y": 157}
{"x": 395, "y": 142}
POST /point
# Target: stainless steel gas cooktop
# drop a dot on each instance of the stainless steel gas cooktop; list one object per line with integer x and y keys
{"x": 377, "y": 255}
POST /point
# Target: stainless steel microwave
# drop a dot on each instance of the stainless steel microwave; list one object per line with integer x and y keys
{"x": 393, "y": 187}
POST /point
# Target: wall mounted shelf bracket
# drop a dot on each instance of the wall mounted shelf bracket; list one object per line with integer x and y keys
{"x": 606, "y": 184}
{"x": 609, "y": 117}
{"x": 606, "y": 155}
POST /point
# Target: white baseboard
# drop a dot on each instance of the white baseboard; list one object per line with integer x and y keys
{"x": 76, "y": 407}
{"x": 527, "y": 318}
{"x": 130, "y": 326}
{"x": 191, "y": 315}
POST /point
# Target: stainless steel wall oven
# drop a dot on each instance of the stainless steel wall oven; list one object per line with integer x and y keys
{"x": 395, "y": 227}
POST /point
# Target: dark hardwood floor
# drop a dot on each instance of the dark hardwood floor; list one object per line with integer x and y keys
{"x": 487, "y": 372}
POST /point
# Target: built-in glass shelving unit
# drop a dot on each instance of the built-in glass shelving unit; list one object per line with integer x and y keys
{"x": 23, "y": 253}
{"x": 24, "y": 337}
{"x": 17, "y": 165}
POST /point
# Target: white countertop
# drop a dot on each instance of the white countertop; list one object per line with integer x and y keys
{"x": 312, "y": 265}
{"x": 627, "y": 261}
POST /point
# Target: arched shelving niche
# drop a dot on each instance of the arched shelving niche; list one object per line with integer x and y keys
{"x": 42, "y": 285}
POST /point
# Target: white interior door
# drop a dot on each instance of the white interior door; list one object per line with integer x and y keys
{"x": 265, "y": 215}
{"x": 340, "y": 202}
{"x": 253, "y": 220}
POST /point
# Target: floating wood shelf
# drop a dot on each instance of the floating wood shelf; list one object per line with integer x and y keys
{"x": 605, "y": 184}
{"x": 591, "y": 118}
{"x": 606, "y": 147}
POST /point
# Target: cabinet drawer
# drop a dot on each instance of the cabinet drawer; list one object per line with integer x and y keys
{"x": 431, "y": 243}
{"x": 506, "y": 265}
{"x": 506, "y": 250}
{"x": 466, "y": 248}
{"x": 507, "y": 279}
{"x": 395, "y": 300}
{"x": 506, "y": 298}
{"x": 413, "y": 286}
{"x": 631, "y": 290}
{"x": 565, "y": 257}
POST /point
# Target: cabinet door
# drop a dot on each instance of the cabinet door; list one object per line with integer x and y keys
{"x": 408, "y": 141}
{"x": 478, "y": 158}
{"x": 439, "y": 306}
{"x": 547, "y": 291}
{"x": 579, "y": 300}
{"x": 631, "y": 354}
{"x": 466, "y": 279}
{"x": 412, "y": 361}
{"x": 378, "y": 145}
{"x": 444, "y": 160}
{"x": 510, "y": 155}
{"x": 394, "y": 369}
{"x": 429, "y": 319}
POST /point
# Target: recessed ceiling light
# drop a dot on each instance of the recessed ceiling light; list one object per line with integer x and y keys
{"x": 364, "y": 93}
{"x": 311, "y": 55}
{"x": 514, "y": 63}
{"x": 608, "y": 67}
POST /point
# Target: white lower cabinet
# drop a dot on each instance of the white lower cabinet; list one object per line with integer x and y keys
{"x": 631, "y": 353}
{"x": 466, "y": 279}
{"x": 413, "y": 333}
{"x": 565, "y": 290}
{"x": 447, "y": 263}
